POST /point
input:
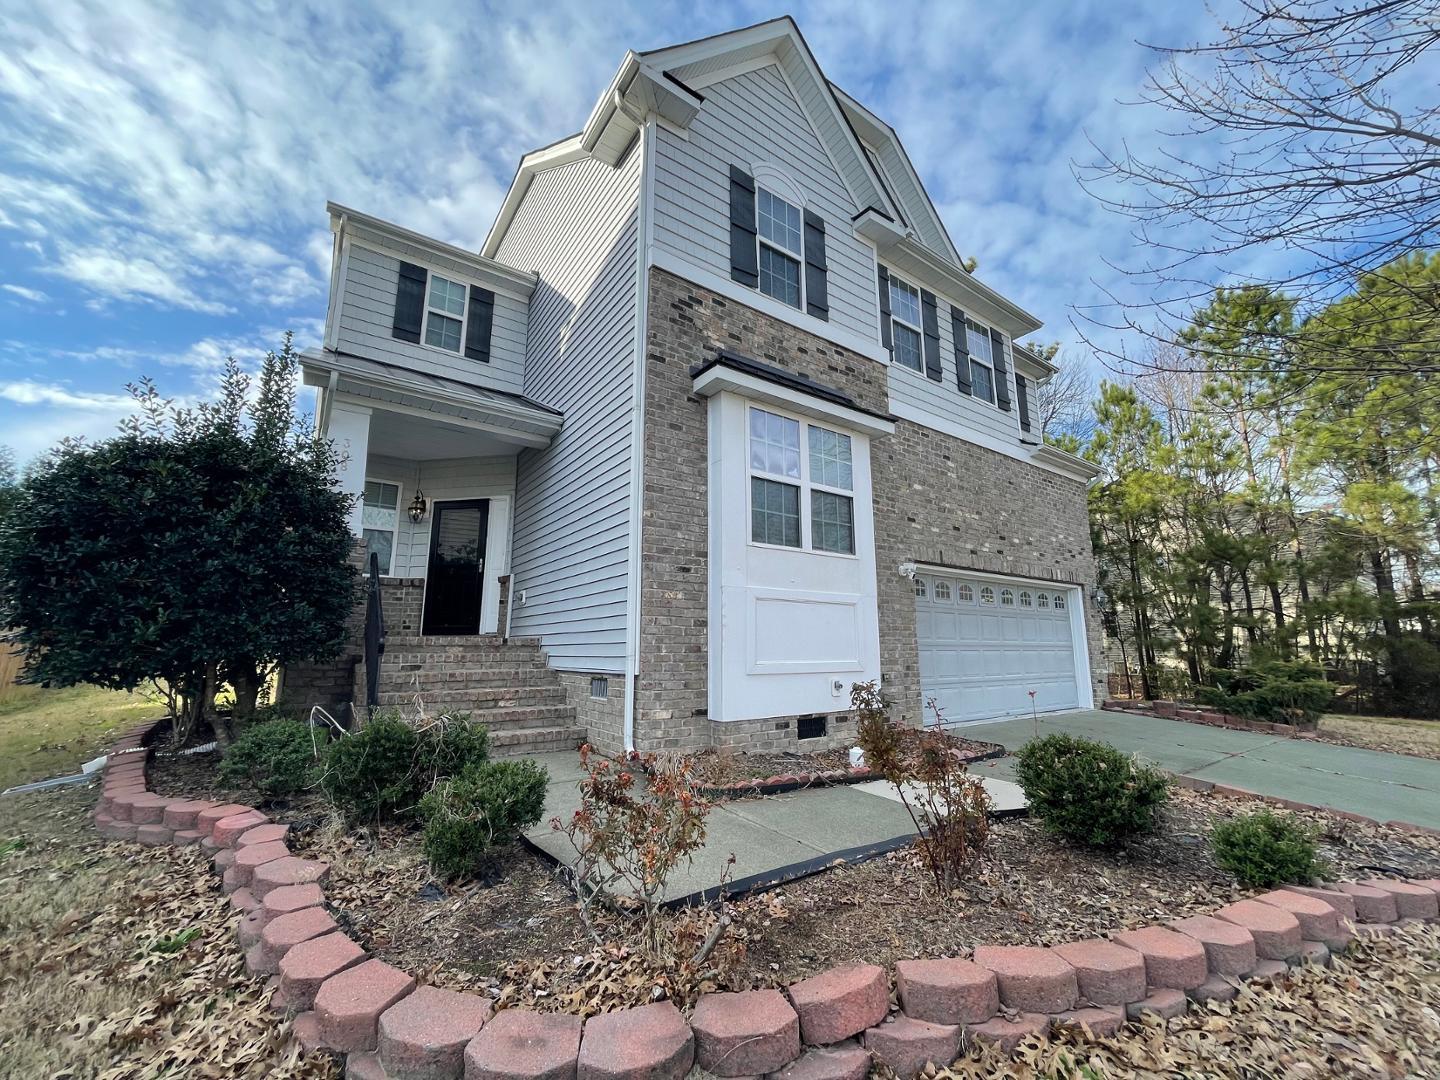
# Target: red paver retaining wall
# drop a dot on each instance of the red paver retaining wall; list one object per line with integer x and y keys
{"x": 827, "y": 1027}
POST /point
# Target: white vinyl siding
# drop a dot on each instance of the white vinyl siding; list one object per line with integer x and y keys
{"x": 367, "y": 318}
{"x": 577, "y": 227}
{"x": 441, "y": 481}
{"x": 749, "y": 120}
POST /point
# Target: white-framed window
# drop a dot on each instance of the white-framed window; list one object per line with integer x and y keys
{"x": 920, "y": 586}
{"x": 987, "y": 595}
{"x": 942, "y": 590}
{"x": 781, "y": 239}
{"x": 1025, "y": 599}
{"x": 966, "y": 594}
{"x": 905, "y": 332}
{"x": 1042, "y": 600}
{"x": 380, "y": 521}
{"x": 1007, "y": 597}
{"x": 444, "y": 313}
{"x": 801, "y": 499}
{"x": 982, "y": 361}
{"x": 1059, "y": 602}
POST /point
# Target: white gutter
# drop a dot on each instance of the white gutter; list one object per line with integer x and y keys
{"x": 637, "y": 431}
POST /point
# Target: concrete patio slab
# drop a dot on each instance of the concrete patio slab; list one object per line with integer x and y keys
{"x": 1005, "y": 795}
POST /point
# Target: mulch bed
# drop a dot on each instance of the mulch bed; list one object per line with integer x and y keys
{"x": 516, "y": 934}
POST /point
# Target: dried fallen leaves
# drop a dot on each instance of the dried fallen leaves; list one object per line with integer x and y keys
{"x": 120, "y": 962}
{"x": 1374, "y": 1014}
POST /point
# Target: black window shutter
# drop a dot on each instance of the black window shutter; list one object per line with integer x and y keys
{"x": 744, "y": 260}
{"x": 885, "y": 338}
{"x": 1022, "y": 398}
{"x": 409, "y": 303}
{"x": 962, "y": 351}
{"x": 817, "y": 296}
{"x": 1002, "y": 377}
{"x": 930, "y": 323}
{"x": 478, "y": 324}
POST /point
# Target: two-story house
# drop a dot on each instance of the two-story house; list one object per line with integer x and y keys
{"x": 715, "y": 425}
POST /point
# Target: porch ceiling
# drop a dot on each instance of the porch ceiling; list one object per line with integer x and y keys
{"x": 401, "y": 435}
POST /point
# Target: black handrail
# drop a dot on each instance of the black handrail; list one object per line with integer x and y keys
{"x": 374, "y": 635}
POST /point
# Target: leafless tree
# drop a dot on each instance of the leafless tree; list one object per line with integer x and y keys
{"x": 1062, "y": 404}
{"x": 1327, "y": 123}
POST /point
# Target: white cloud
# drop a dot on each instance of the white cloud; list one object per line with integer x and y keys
{"x": 28, "y": 392}
{"x": 35, "y": 296}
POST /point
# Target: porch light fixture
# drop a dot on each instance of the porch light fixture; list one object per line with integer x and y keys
{"x": 417, "y": 507}
{"x": 1100, "y": 597}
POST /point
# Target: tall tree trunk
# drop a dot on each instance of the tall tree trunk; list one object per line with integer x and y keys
{"x": 1251, "y": 633}
{"x": 1384, "y": 578}
{"x": 1142, "y": 618}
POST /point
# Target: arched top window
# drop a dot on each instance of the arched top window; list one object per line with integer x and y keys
{"x": 1042, "y": 600}
{"x": 920, "y": 586}
{"x": 967, "y": 594}
{"x": 987, "y": 595}
{"x": 1025, "y": 599}
{"x": 1007, "y": 598}
{"x": 1059, "y": 602}
{"x": 942, "y": 590}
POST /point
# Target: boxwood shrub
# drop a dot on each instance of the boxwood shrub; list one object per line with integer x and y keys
{"x": 486, "y": 805}
{"x": 1266, "y": 849}
{"x": 1088, "y": 793}
{"x": 277, "y": 757}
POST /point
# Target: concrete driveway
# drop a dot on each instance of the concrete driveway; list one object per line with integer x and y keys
{"x": 1387, "y": 787}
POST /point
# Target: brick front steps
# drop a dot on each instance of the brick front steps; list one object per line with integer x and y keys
{"x": 832, "y": 1026}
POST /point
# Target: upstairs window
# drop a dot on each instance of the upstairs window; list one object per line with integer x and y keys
{"x": 982, "y": 361}
{"x": 781, "y": 239}
{"x": 445, "y": 314}
{"x": 905, "y": 324}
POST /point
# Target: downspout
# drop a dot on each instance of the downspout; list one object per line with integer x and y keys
{"x": 643, "y": 210}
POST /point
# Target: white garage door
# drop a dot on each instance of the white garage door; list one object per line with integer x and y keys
{"x": 984, "y": 645}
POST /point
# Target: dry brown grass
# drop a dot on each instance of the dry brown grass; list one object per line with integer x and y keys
{"x": 97, "y": 977}
{"x": 1395, "y": 734}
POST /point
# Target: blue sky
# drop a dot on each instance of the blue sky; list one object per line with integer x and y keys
{"x": 164, "y": 171}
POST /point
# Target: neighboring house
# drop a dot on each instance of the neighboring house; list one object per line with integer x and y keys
{"x": 716, "y": 421}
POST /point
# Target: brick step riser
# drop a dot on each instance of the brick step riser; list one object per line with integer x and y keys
{"x": 496, "y": 720}
{"x": 534, "y": 741}
{"x": 423, "y": 682}
{"x": 478, "y": 699}
{"x": 471, "y": 659}
{"x": 465, "y": 641}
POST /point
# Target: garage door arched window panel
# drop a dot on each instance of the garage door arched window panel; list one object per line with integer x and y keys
{"x": 1059, "y": 602}
{"x": 1026, "y": 600}
{"x": 965, "y": 593}
{"x": 920, "y": 589}
{"x": 1007, "y": 597}
{"x": 1042, "y": 600}
{"x": 942, "y": 590}
{"x": 987, "y": 595}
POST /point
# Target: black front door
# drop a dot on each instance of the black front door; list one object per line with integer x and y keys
{"x": 457, "y": 567}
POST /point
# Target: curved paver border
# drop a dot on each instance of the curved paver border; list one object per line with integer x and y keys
{"x": 344, "y": 1001}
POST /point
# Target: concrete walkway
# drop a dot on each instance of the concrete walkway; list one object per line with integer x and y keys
{"x": 1388, "y": 787}
{"x": 773, "y": 839}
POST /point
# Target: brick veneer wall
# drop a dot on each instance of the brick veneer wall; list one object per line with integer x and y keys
{"x": 386, "y": 1025}
{"x": 401, "y": 600}
{"x": 331, "y": 683}
{"x": 603, "y": 720}
{"x": 937, "y": 499}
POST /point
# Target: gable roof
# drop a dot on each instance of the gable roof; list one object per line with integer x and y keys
{"x": 659, "y": 81}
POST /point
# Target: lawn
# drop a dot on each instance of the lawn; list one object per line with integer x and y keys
{"x": 1398, "y": 735}
{"x": 45, "y": 733}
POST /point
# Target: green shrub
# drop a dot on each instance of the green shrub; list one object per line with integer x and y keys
{"x": 1264, "y": 850}
{"x": 277, "y": 757}
{"x": 1089, "y": 793}
{"x": 381, "y": 771}
{"x": 1279, "y": 691}
{"x": 487, "y": 804}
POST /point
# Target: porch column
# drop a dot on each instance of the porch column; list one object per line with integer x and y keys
{"x": 349, "y": 429}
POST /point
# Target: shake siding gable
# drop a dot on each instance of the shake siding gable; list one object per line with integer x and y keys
{"x": 577, "y": 228}
{"x": 751, "y": 120}
{"x": 367, "y": 317}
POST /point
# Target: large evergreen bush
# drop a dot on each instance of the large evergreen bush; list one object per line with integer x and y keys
{"x": 1088, "y": 793}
